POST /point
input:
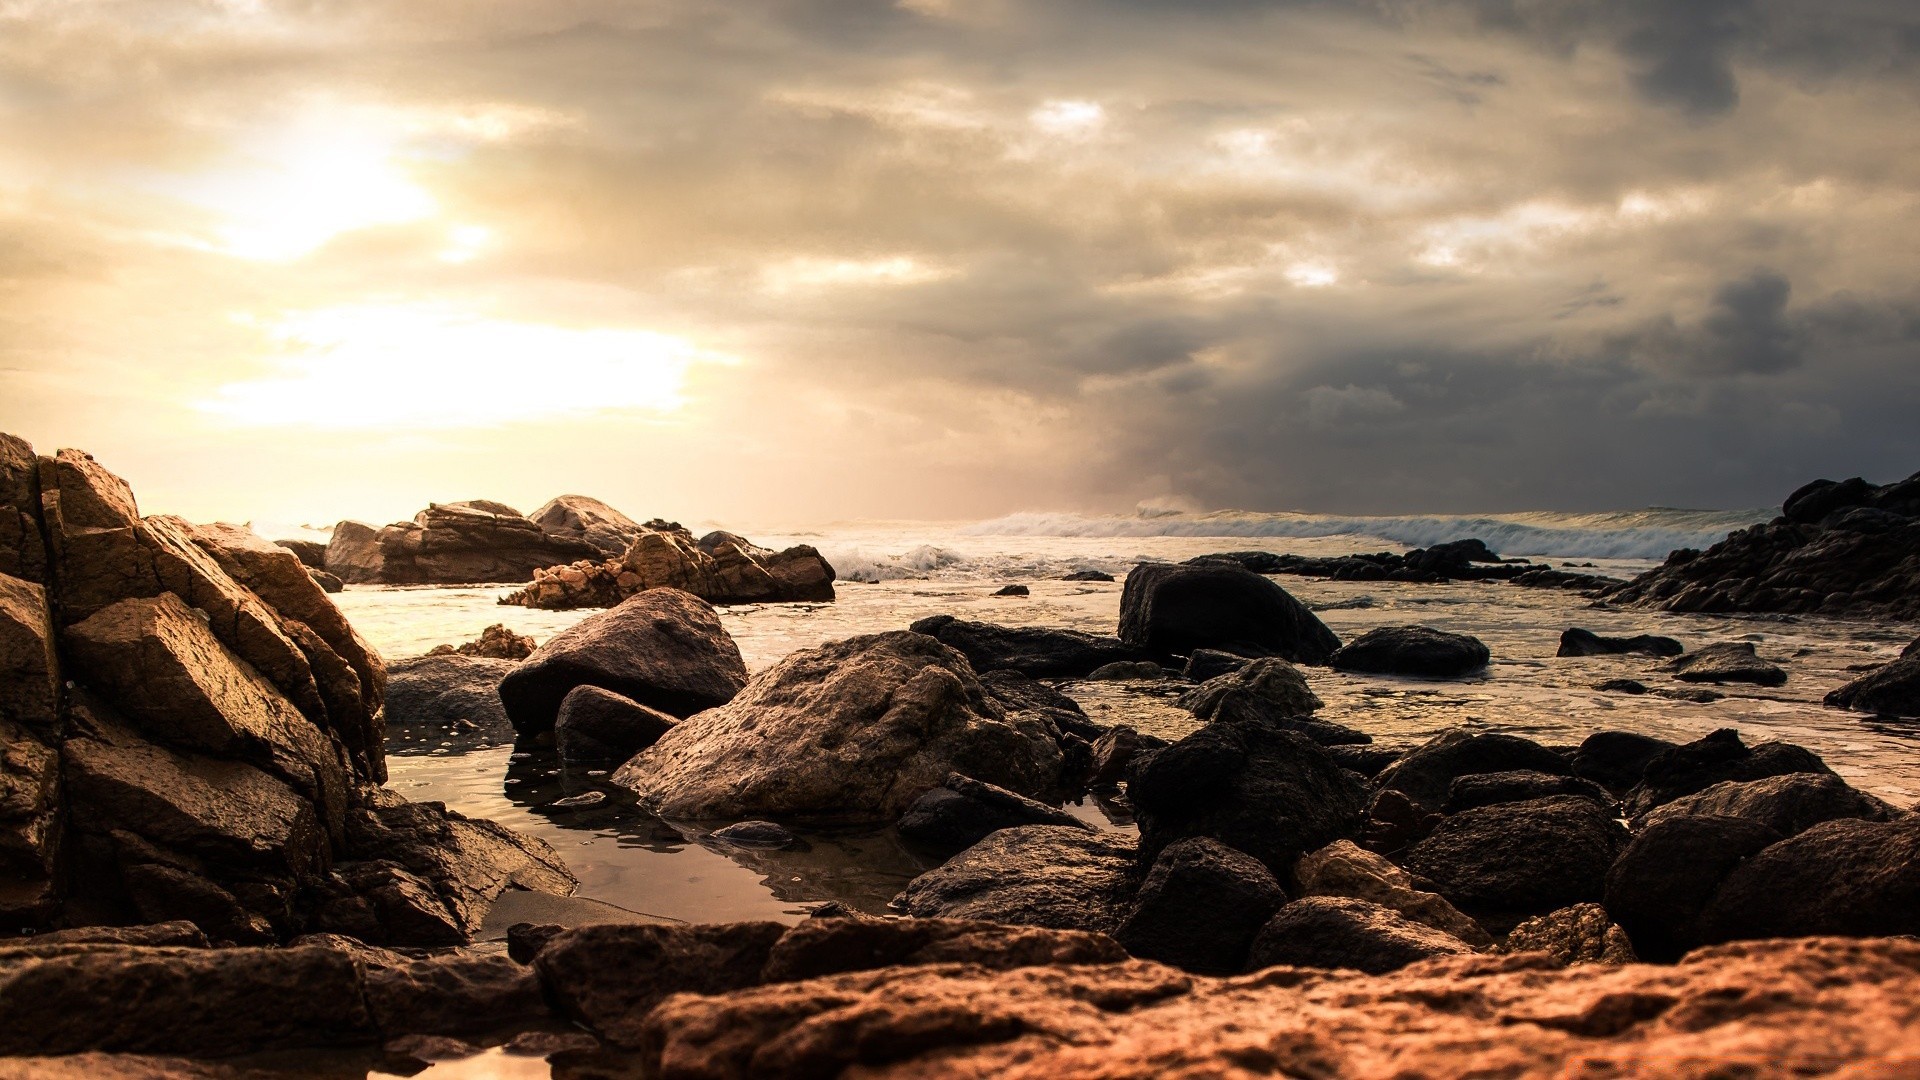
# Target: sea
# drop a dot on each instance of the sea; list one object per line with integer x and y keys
{"x": 894, "y": 572}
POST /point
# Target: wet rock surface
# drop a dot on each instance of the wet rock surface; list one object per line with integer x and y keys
{"x": 1578, "y": 642}
{"x": 1890, "y": 690}
{"x": 448, "y": 691}
{"x": 596, "y": 725}
{"x": 1173, "y": 610}
{"x": 1412, "y": 650}
{"x": 963, "y": 811}
{"x": 1344, "y": 932}
{"x": 1036, "y": 875}
{"x": 1728, "y": 662}
{"x": 1034, "y": 651}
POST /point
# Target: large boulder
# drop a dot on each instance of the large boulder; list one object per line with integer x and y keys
{"x": 1669, "y": 873}
{"x": 1890, "y": 690}
{"x": 1172, "y": 610}
{"x": 1200, "y": 907}
{"x": 1578, "y": 642}
{"x": 1728, "y": 662}
{"x": 448, "y": 690}
{"x": 1488, "y": 789}
{"x": 1412, "y": 650}
{"x": 663, "y": 648}
{"x": 1427, "y": 774}
{"x": 1035, "y": 875}
{"x": 458, "y": 543}
{"x": 23, "y": 551}
{"x": 1713, "y": 759}
{"x": 1037, "y": 652}
{"x": 1271, "y": 679}
{"x": 963, "y": 811}
{"x": 855, "y": 730}
{"x": 1788, "y": 804}
{"x": 1617, "y": 760}
{"x": 30, "y": 731}
{"x": 598, "y": 725}
{"x": 581, "y": 517}
{"x": 1342, "y": 932}
{"x": 719, "y": 567}
{"x": 1504, "y": 862}
{"x": 1847, "y": 877}
{"x": 1251, "y": 784}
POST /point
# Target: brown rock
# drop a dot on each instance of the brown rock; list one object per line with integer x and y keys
{"x": 1343, "y": 868}
{"x": 1033, "y": 875}
{"x": 1581, "y": 934}
{"x": 178, "y": 932}
{"x": 467, "y": 861}
{"x": 609, "y": 977}
{"x": 1341, "y": 932}
{"x": 23, "y": 553}
{"x": 453, "y": 994}
{"x": 829, "y": 946}
{"x": 720, "y": 567}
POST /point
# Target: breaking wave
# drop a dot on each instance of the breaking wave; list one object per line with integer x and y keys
{"x": 856, "y": 564}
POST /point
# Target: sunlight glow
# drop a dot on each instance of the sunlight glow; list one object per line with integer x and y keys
{"x": 429, "y": 367}
{"x": 816, "y": 273}
{"x": 466, "y": 243}
{"x": 1312, "y": 275}
{"x": 1069, "y": 118}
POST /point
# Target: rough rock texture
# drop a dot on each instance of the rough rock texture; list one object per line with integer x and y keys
{"x": 1764, "y": 1010}
{"x": 1728, "y": 662}
{"x": 962, "y": 811}
{"x": 1412, "y": 650}
{"x": 1200, "y": 907}
{"x": 1841, "y": 877}
{"x": 1173, "y": 610}
{"x": 1343, "y": 868}
{"x": 1663, "y": 881}
{"x": 460, "y": 543}
{"x": 582, "y": 517}
{"x": 1788, "y": 804}
{"x": 1499, "y": 863}
{"x": 719, "y": 567}
{"x": 1250, "y": 784}
{"x": 1578, "y": 642}
{"x": 852, "y": 731}
{"x": 23, "y": 551}
{"x": 829, "y": 946}
{"x": 1113, "y": 754}
{"x": 1580, "y": 934}
{"x": 1487, "y": 789}
{"x": 1205, "y": 664}
{"x": 1342, "y": 932}
{"x": 1128, "y": 671}
{"x": 1428, "y": 773}
{"x": 663, "y": 648}
{"x": 496, "y": 642}
{"x": 311, "y": 553}
{"x": 1847, "y": 548}
{"x": 1890, "y": 690}
{"x": 1713, "y": 759}
{"x": 1617, "y": 760}
{"x": 30, "y": 730}
{"x": 448, "y": 689}
{"x": 597, "y": 725}
{"x": 1034, "y": 875}
{"x": 1037, "y": 652}
{"x": 1270, "y": 679}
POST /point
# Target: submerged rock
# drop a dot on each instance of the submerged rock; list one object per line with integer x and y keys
{"x": 1342, "y": 932}
{"x": 1412, "y": 650}
{"x": 855, "y": 730}
{"x": 1128, "y": 671}
{"x": 1729, "y": 661}
{"x": 1034, "y": 875}
{"x": 1034, "y": 651}
{"x": 1578, "y": 642}
{"x": 1173, "y": 610}
{"x": 1890, "y": 690}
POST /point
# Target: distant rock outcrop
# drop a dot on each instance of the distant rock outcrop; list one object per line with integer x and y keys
{"x": 719, "y": 567}
{"x": 461, "y": 543}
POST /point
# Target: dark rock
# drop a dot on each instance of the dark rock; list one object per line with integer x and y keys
{"x": 1200, "y": 907}
{"x": 1270, "y": 679}
{"x": 1580, "y": 934}
{"x": 1174, "y": 610}
{"x": 1713, "y": 759}
{"x": 1616, "y": 760}
{"x": 1578, "y": 642}
{"x": 1342, "y": 868}
{"x": 311, "y": 553}
{"x": 1369, "y": 761}
{"x": 1342, "y": 932}
{"x": 1250, "y": 784}
{"x": 1697, "y": 696}
{"x": 829, "y": 946}
{"x": 1395, "y": 822}
{"x": 1847, "y": 878}
{"x": 1128, "y": 671}
{"x": 1088, "y": 575}
{"x": 1035, "y": 875}
{"x": 663, "y": 648}
{"x": 460, "y": 543}
{"x": 1113, "y": 754}
{"x": 23, "y": 551}
{"x": 962, "y": 811}
{"x": 855, "y": 730}
{"x": 1236, "y": 703}
{"x": 1788, "y": 804}
{"x": 327, "y": 582}
{"x": 1259, "y": 562}
{"x": 1012, "y": 590}
{"x": 1499, "y": 863}
{"x": 447, "y": 690}
{"x": 1016, "y": 693}
{"x": 453, "y": 994}
{"x": 1892, "y": 690}
{"x": 1728, "y": 661}
{"x": 525, "y": 940}
{"x": 1427, "y": 774}
{"x": 1035, "y": 651}
{"x": 1490, "y": 789}
{"x": 597, "y": 725}
{"x": 1670, "y": 871}
{"x": 1621, "y": 686}
{"x": 1207, "y": 664}
{"x": 1412, "y": 650}
{"x": 609, "y": 977}
{"x": 756, "y": 834}
{"x": 180, "y": 933}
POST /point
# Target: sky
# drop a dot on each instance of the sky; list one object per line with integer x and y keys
{"x": 810, "y": 260}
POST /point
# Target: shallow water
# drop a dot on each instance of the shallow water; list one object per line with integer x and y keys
{"x": 675, "y": 870}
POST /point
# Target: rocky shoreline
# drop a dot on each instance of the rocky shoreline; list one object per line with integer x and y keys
{"x": 195, "y": 825}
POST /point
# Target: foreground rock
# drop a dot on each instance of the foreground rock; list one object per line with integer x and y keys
{"x": 663, "y": 648}
{"x": 1766, "y": 1010}
{"x": 962, "y": 811}
{"x": 1504, "y": 862}
{"x": 1200, "y": 907}
{"x": 853, "y": 731}
{"x": 1271, "y": 679}
{"x": 1412, "y": 650}
{"x": 719, "y": 567}
{"x": 460, "y": 543}
{"x": 1036, "y": 875}
{"x": 1847, "y": 548}
{"x": 1344, "y": 869}
{"x": 1342, "y": 932}
{"x": 1890, "y": 690}
{"x": 1173, "y": 610}
{"x": 1037, "y": 652}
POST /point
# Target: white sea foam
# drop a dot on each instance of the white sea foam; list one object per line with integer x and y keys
{"x": 858, "y": 564}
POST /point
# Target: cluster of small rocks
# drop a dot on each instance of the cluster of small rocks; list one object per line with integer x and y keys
{"x": 719, "y": 567}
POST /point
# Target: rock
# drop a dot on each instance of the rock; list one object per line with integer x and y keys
{"x": 1271, "y": 679}
{"x": 23, "y": 551}
{"x": 1713, "y": 759}
{"x": 1250, "y": 784}
{"x": 829, "y": 946}
{"x": 179, "y": 932}
{"x": 1489, "y": 789}
{"x": 597, "y": 725}
{"x": 327, "y": 582}
{"x": 579, "y": 802}
{"x": 460, "y": 543}
{"x": 1035, "y": 651}
{"x": 1341, "y": 932}
{"x": 551, "y": 1044}
{"x": 1788, "y": 804}
{"x": 1728, "y": 661}
{"x": 1342, "y": 868}
{"x": 1580, "y": 934}
{"x": 1617, "y": 760}
{"x": 580, "y": 517}
{"x": 1366, "y": 760}
{"x": 1207, "y": 664}
{"x": 1172, "y": 610}
{"x": 1088, "y": 575}
{"x": 1236, "y": 703}
{"x": 30, "y": 730}
{"x": 1578, "y": 642}
{"x": 1847, "y": 877}
{"x": 1663, "y": 881}
{"x": 962, "y": 811}
{"x": 453, "y": 994}
{"x": 496, "y": 642}
{"x": 756, "y": 834}
{"x": 1412, "y": 650}
{"x": 211, "y": 1002}
{"x": 1766, "y": 1010}
{"x": 662, "y": 648}
{"x": 1114, "y": 752}
{"x": 608, "y": 977}
{"x": 1621, "y": 686}
{"x": 1200, "y": 907}
{"x": 1824, "y": 556}
{"x": 1052, "y": 876}
{"x": 1427, "y": 774}
{"x": 1012, "y": 590}
{"x": 1396, "y": 822}
{"x": 448, "y": 689}
{"x": 852, "y": 731}
{"x": 1891, "y": 690}
{"x": 1502, "y": 863}
{"x": 311, "y": 553}
{"x": 1128, "y": 671}
{"x": 720, "y": 568}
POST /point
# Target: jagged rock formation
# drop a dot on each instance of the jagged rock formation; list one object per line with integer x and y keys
{"x": 719, "y": 567}
{"x": 460, "y": 543}
{"x": 1848, "y": 548}
{"x": 193, "y": 731}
